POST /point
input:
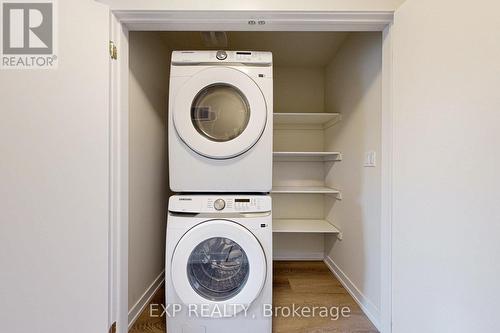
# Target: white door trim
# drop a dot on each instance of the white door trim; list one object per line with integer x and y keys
{"x": 254, "y": 20}
{"x": 119, "y": 144}
{"x": 125, "y": 20}
{"x": 387, "y": 184}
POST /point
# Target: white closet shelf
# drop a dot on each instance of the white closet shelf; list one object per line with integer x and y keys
{"x": 319, "y": 120}
{"x": 303, "y": 226}
{"x": 307, "y": 156}
{"x": 305, "y": 190}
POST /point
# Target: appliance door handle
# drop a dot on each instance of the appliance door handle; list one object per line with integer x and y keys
{"x": 220, "y": 215}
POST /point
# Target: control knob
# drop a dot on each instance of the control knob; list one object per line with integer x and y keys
{"x": 219, "y": 204}
{"x": 221, "y": 55}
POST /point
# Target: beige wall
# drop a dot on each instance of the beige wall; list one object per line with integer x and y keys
{"x": 298, "y": 89}
{"x": 148, "y": 177}
{"x": 305, "y": 94}
{"x": 353, "y": 88}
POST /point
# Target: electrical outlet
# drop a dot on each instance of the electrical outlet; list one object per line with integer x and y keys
{"x": 370, "y": 159}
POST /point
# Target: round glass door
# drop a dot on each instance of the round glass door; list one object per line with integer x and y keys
{"x": 220, "y": 112}
{"x": 218, "y": 269}
{"x": 218, "y": 262}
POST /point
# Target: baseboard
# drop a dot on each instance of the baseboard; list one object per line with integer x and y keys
{"x": 364, "y": 303}
{"x": 300, "y": 256}
{"x": 144, "y": 300}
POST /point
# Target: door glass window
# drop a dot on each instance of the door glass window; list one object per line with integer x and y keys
{"x": 220, "y": 112}
{"x": 218, "y": 269}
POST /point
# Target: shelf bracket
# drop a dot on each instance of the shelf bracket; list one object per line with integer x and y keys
{"x": 332, "y": 122}
{"x": 340, "y": 234}
{"x": 337, "y": 158}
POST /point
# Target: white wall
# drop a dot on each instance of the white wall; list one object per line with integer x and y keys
{"x": 446, "y": 263}
{"x": 353, "y": 88}
{"x": 148, "y": 165}
{"x": 54, "y": 176}
{"x": 345, "y": 5}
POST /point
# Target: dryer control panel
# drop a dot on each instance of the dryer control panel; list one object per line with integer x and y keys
{"x": 221, "y": 57}
{"x": 219, "y": 203}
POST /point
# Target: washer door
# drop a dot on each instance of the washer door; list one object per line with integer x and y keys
{"x": 220, "y": 113}
{"x": 218, "y": 262}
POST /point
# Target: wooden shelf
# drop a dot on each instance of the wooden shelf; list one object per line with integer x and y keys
{"x": 303, "y": 226}
{"x": 305, "y": 190}
{"x": 307, "y": 156}
{"x": 300, "y": 120}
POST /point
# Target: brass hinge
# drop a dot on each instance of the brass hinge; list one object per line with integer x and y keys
{"x": 112, "y": 329}
{"x": 113, "y": 51}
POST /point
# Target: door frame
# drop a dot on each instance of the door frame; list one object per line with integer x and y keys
{"x": 123, "y": 21}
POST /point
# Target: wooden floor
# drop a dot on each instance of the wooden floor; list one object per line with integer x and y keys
{"x": 300, "y": 283}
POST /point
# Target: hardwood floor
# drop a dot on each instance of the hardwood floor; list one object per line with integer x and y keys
{"x": 299, "y": 283}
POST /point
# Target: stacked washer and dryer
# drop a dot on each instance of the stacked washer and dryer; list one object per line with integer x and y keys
{"x": 219, "y": 230}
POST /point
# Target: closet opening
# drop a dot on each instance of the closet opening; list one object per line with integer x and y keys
{"x": 327, "y": 175}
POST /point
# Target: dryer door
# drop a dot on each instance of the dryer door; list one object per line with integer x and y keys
{"x": 220, "y": 113}
{"x": 219, "y": 262}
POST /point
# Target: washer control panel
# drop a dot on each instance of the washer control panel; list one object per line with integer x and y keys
{"x": 219, "y": 203}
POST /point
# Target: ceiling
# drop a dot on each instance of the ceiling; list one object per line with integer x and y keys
{"x": 288, "y": 48}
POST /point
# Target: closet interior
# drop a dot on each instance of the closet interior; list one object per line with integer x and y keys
{"x": 327, "y": 148}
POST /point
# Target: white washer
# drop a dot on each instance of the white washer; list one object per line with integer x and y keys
{"x": 219, "y": 264}
{"x": 220, "y": 121}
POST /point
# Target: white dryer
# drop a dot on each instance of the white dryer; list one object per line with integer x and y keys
{"x": 219, "y": 264}
{"x": 220, "y": 121}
